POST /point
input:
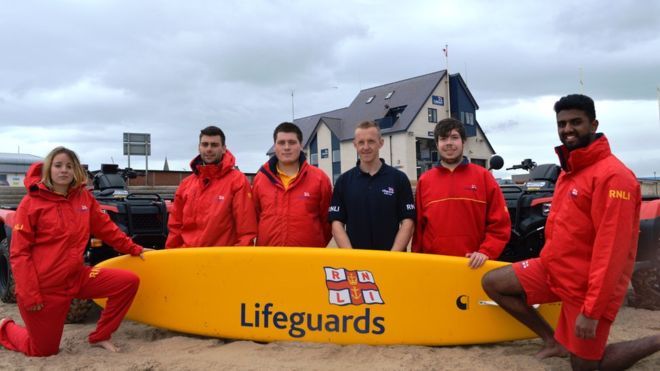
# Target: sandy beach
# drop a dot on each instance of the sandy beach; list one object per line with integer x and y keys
{"x": 148, "y": 348}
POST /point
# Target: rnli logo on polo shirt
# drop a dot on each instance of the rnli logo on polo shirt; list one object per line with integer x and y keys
{"x": 83, "y": 208}
{"x": 347, "y": 287}
{"x": 574, "y": 193}
{"x": 306, "y": 194}
{"x": 221, "y": 198}
{"x": 471, "y": 187}
{"x": 389, "y": 191}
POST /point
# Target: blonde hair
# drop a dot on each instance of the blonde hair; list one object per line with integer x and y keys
{"x": 79, "y": 174}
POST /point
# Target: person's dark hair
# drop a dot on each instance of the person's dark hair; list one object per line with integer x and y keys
{"x": 212, "y": 131}
{"x": 445, "y": 126}
{"x": 287, "y": 127}
{"x": 578, "y": 102}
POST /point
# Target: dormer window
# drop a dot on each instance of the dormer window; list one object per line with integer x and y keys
{"x": 389, "y": 95}
{"x": 371, "y": 99}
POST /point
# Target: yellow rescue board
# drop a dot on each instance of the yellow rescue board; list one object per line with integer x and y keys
{"x": 321, "y": 295}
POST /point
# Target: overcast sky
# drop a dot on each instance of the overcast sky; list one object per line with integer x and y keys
{"x": 81, "y": 73}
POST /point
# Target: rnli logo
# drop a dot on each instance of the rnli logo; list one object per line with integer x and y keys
{"x": 346, "y": 287}
{"x": 619, "y": 195}
{"x": 389, "y": 191}
{"x": 306, "y": 194}
{"x": 94, "y": 272}
{"x": 471, "y": 187}
{"x": 574, "y": 192}
{"x": 221, "y": 198}
{"x": 525, "y": 264}
{"x": 333, "y": 209}
{"x": 83, "y": 208}
{"x": 18, "y": 227}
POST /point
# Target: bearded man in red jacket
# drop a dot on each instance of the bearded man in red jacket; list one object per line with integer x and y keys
{"x": 213, "y": 206}
{"x": 588, "y": 257}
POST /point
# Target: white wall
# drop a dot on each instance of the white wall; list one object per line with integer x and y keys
{"x": 324, "y": 142}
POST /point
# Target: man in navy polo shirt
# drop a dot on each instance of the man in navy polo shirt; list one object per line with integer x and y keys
{"x": 372, "y": 204}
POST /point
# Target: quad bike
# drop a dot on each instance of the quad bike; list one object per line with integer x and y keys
{"x": 529, "y": 205}
{"x": 142, "y": 216}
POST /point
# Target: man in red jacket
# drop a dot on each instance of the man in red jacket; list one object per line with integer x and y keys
{"x": 589, "y": 252}
{"x": 291, "y": 196}
{"x": 213, "y": 206}
{"x": 460, "y": 208}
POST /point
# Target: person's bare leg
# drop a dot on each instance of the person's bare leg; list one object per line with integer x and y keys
{"x": 107, "y": 345}
{"x": 503, "y": 287}
{"x": 622, "y": 355}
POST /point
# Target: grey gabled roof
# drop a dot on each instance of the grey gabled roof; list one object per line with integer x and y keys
{"x": 412, "y": 93}
{"x": 309, "y": 124}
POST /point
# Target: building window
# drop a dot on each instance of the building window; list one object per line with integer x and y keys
{"x": 314, "y": 152}
{"x": 391, "y": 117}
{"x": 433, "y": 115}
{"x": 389, "y": 95}
{"x": 370, "y": 99}
{"x": 478, "y": 161}
{"x": 467, "y": 118}
{"x": 336, "y": 158}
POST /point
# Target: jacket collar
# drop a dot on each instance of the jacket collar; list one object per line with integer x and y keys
{"x": 464, "y": 163}
{"x": 226, "y": 164}
{"x": 581, "y": 158}
{"x": 35, "y": 187}
{"x": 269, "y": 169}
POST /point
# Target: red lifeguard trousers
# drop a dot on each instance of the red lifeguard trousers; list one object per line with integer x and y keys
{"x": 43, "y": 329}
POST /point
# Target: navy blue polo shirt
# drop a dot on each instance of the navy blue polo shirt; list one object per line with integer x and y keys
{"x": 372, "y": 206}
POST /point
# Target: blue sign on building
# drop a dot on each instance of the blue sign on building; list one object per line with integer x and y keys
{"x": 324, "y": 153}
{"x": 438, "y": 100}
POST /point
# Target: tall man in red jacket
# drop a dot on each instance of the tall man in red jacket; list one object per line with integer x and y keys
{"x": 213, "y": 206}
{"x": 460, "y": 208}
{"x": 291, "y": 196}
{"x": 589, "y": 253}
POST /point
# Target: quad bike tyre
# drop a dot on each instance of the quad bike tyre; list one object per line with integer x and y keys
{"x": 7, "y": 285}
{"x": 79, "y": 310}
{"x": 79, "y": 307}
{"x": 646, "y": 286}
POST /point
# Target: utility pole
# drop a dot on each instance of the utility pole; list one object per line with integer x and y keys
{"x": 446, "y": 52}
{"x": 292, "y": 108}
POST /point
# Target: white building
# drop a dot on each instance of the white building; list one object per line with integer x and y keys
{"x": 407, "y": 112}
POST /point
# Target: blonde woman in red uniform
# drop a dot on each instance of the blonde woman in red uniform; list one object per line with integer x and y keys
{"x": 52, "y": 227}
